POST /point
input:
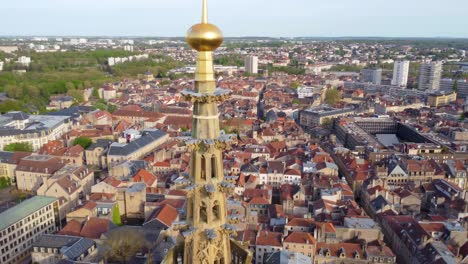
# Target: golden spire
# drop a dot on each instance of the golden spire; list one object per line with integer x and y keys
{"x": 204, "y": 19}
{"x": 204, "y": 36}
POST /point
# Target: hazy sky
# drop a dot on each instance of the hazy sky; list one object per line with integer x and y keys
{"x": 289, "y": 18}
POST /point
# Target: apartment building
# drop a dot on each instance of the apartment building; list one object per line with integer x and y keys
{"x": 430, "y": 75}
{"x": 441, "y": 98}
{"x": 22, "y": 225}
{"x": 37, "y": 130}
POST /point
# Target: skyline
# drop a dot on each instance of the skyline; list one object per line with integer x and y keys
{"x": 299, "y": 18}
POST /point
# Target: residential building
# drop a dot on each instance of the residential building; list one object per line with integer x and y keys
{"x": 34, "y": 170}
{"x": 300, "y": 242}
{"x": 23, "y": 224}
{"x": 150, "y": 139}
{"x": 462, "y": 87}
{"x": 96, "y": 154}
{"x": 400, "y": 73}
{"x": 286, "y": 257}
{"x": 37, "y": 130}
{"x": 60, "y": 102}
{"x": 441, "y": 98}
{"x": 8, "y": 163}
{"x": 373, "y": 76}
{"x": 51, "y": 249}
{"x": 251, "y": 64}
{"x": 267, "y": 242}
{"x": 429, "y": 76}
{"x": 352, "y": 253}
{"x": 70, "y": 184}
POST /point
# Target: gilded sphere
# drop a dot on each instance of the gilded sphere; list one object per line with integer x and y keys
{"x": 204, "y": 37}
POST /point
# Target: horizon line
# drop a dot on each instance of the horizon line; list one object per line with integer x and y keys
{"x": 239, "y": 37}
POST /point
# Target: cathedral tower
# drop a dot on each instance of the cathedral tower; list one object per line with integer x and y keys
{"x": 207, "y": 229}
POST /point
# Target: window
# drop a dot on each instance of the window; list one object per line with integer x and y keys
{"x": 213, "y": 167}
{"x": 203, "y": 168}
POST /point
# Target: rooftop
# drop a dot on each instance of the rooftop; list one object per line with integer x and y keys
{"x": 22, "y": 210}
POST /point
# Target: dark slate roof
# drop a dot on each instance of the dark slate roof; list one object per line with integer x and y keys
{"x": 147, "y": 138}
{"x": 162, "y": 248}
{"x": 71, "y": 247}
{"x": 74, "y": 111}
{"x": 5, "y": 156}
{"x": 17, "y": 115}
{"x": 379, "y": 203}
{"x": 249, "y": 168}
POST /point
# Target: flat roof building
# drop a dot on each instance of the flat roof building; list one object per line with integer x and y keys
{"x": 317, "y": 116}
{"x": 21, "y": 225}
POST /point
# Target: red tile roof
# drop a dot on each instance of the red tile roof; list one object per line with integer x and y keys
{"x": 266, "y": 238}
{"x": 145, "y": 176}
{"x": 95, "y": 227}
{"x": 73, "y": 228}
{"x": 300, "y": 238}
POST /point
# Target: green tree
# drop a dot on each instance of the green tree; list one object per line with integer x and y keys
{"x": 76, "y": 94}
{"x": 116, "y": 215}
{"x": 332, "y": 96}
{"x": 455, "y": 86}
{"x": 85, "y": 142}
{"x": 295, "y": 85}
{"x": 96, "y": 93}
{"x": 5, "y": 182}
{"x": 24, "y": 146}
{"x": 69, "y": 86}
{"x": 326, "y": 122}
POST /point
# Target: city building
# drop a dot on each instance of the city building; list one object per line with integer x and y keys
{"x": 441, "y": 98}
{"x": 23, "y": 224}
{"x": 251, "y": 64}
{"x": 35, "y": 170}
{"x": 96, "y": 154}
{"x": 50, "y": 249}
{"x": 373, "y": 76}
{"x": 148, "y": 141}
{"x": 23, "y": 60}
{"x": 448, "y": 85}
{"x": 37, "y": 130}
{"x": 430, "y": 75}
{"x": 319, "y": 115}
{"x": 400, "y": 73}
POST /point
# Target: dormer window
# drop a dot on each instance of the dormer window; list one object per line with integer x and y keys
{"x": 342, "y": 253}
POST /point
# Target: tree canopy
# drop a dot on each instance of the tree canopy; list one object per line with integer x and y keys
{"x": 123, "y": 243}
{"x": 26, "y": 147}
{"x": 332, "y": 96}
{"x": 85, "y": 142}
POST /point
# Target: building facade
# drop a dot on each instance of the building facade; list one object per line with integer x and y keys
{"x": 251, "y": 64}
{"x": 429, "y": 76}
{"x": 20, "y": 227}
{"x": 37, "y": 130}
{"x": 373, "y": 76}
{"x": 400, "y": 73}
{"x": 441, "y": 98}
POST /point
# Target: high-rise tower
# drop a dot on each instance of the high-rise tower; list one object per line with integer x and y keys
{"x": 207, "y": 229}
{"x": 400, "y": 73}
{"x": 430, "y": 75}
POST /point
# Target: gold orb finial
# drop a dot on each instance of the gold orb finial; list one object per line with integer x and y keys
{"x": 204, "y": 36}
